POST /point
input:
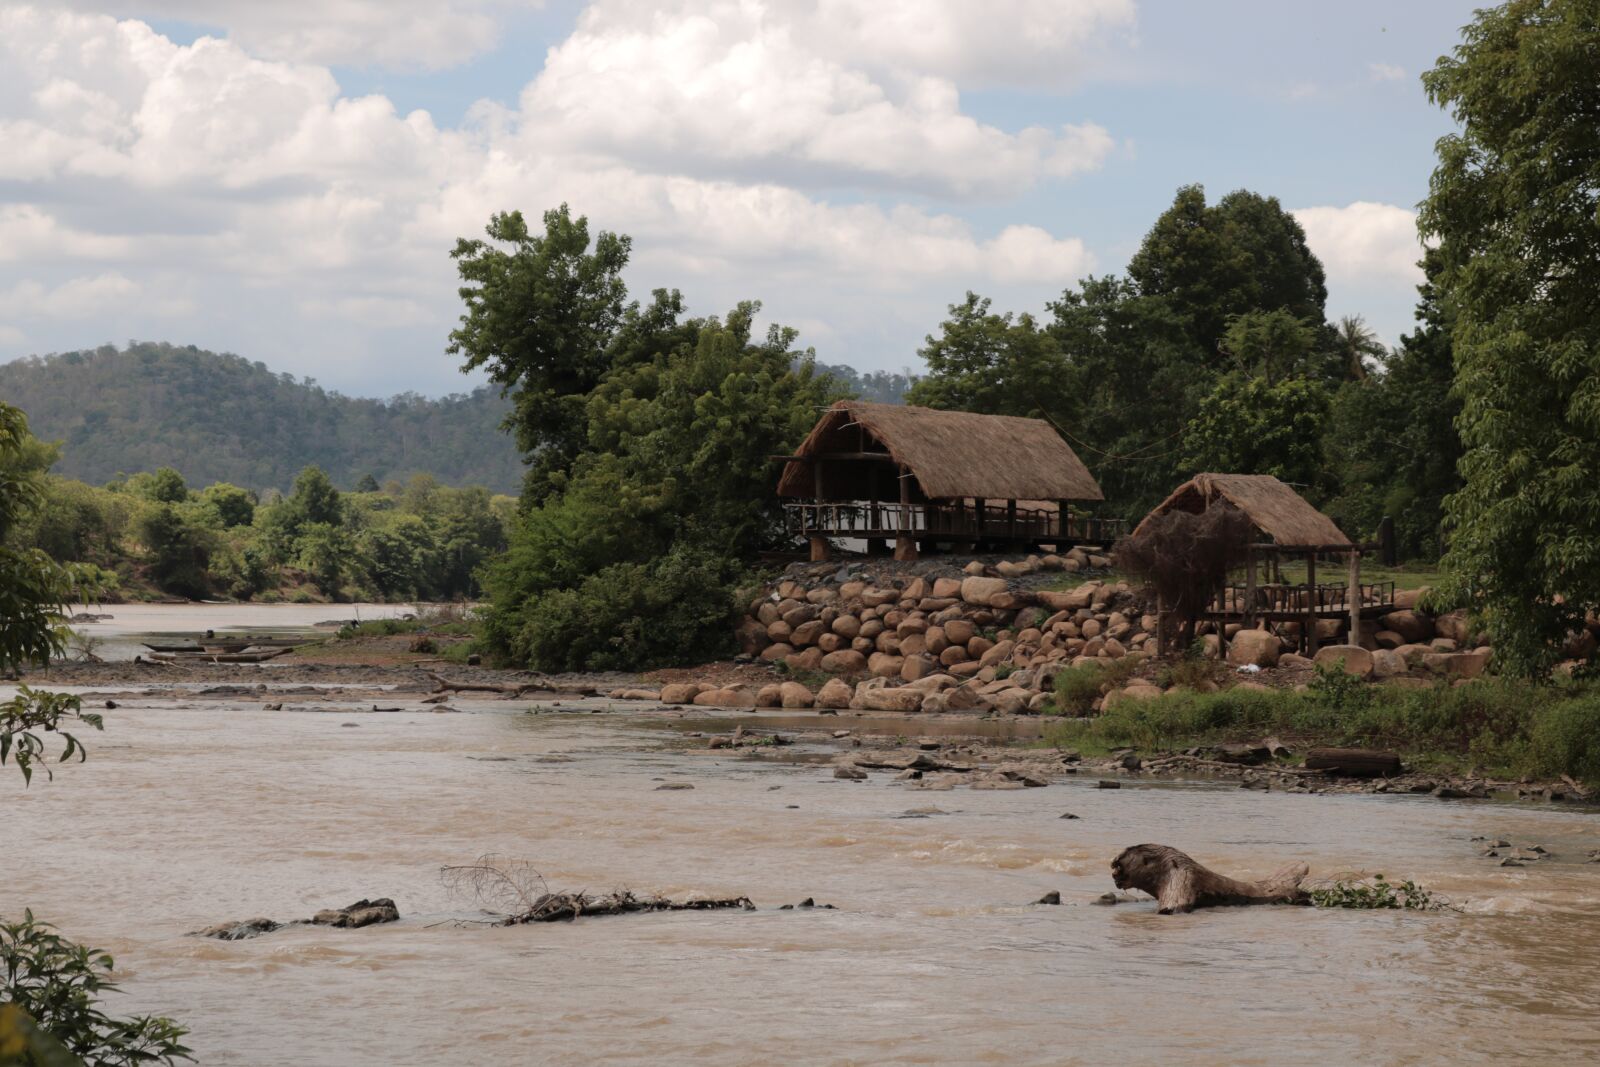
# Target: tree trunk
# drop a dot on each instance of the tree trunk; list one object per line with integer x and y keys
{"x": 1353, "y": 762}
{"x": 1181, "y": 884}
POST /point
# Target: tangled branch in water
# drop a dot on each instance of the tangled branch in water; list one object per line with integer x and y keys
{"x": 1378, "y": 892}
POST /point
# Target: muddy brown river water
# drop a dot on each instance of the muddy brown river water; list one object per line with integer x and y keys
{"x": 190, "y": 813}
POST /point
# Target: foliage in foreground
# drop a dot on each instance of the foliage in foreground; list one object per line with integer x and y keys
{"x": 1503, "y": 726}
{"x": 56, "y": 984}
{"x": 30, "y": 712}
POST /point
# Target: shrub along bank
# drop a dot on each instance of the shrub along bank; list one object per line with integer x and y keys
{"x": 1502, "y": 727}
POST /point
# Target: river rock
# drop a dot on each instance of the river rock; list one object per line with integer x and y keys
{"x": 769, "y": 696}
{"x": 361, "y": 913}
{"x": 1353, "y": 659}
{"x": 1259, "y": 648}
{"x": 794, "y": 695}
{"x": 844, "y": 661}
{"x": 680, "y": 692}
{"x": 886, "y": 699}
{"x": 1414, "y": 626}
{"x": 982, "y": 591}
{"x": 835, "y": 694}
{"x": 239, "y": 931}
{"x": 946, "y": 588}
{"x": 847, "y": 627}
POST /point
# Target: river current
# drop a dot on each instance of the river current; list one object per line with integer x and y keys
{"x": 191, "y": 812}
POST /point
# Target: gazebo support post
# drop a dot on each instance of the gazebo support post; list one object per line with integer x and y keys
{"x": 905, "y": 546}
{"x": 1354, "y": 596}
{"x": 1249, "y": 588}
{"x": 1311, "y": 603}
{"x": 819, "y": 544}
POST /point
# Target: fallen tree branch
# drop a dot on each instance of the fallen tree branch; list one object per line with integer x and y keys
{"x": 555, "y": 907}
{"x": 518, "y": 893}
{"x": 1180, "y": 884}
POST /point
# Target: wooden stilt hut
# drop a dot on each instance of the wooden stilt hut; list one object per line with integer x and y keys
{"x": 925, "y": 477}
{"x": 1285, "y": 526}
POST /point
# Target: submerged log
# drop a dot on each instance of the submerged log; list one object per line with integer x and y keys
{"x": 556, "y": 907}
{"x": 1180, "y": 884}
{"x": 1354, "y": 762}
{"x": 511, "y": 692}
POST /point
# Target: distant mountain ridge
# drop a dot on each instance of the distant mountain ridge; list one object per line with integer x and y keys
{"x": 224, "y": 418}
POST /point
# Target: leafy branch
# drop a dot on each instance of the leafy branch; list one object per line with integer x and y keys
{"x": 32, "y": 712}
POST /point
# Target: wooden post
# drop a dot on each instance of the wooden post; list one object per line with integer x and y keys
{"x": 1311, "y": 603}
{"x": 819, "y": 545}
{"x": 1355, "y": 597}
{"x": 1011, "y": 521}
{"x": 1064, "y": 521}
{"x": 1161, "y": 626}
{"x": 905, "y": 546}
{"x": 1249, "y": 588}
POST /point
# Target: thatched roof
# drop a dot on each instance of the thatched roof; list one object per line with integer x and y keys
{"x": 950, "y": 454}
{"x": 1277, "y": 511}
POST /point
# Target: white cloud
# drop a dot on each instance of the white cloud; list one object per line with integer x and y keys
{"x": 404, "y": 33}
{"x": 147, "y": 179}
{"x": 749, "y": 88}
{"x": 78, "y": 297}
{"x": 1364, "y": 242}
{"x": 1386, "y": 72}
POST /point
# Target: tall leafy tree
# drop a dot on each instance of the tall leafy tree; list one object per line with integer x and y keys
{"x": 1243, "y": 253}
{"x": 1252, "y": 426}
{"x": 541, "y": 312}
{"x": 996, "y": 364}
{"x": 1514, "y": 204}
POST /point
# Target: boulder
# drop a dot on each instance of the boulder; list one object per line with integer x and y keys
{"x": 1408, "y": 599}
{"x": 828, "y": 641}
{"x": 981, "y": 591}
{"x": 1134, "y": 691}
{"x": 361, "y": 913}
{"x": 752, "y": 636}
{"x": 680, "y": 692}
{"x": 1388, "y": 639}
{"x": 779, "y": 630}
{"x": 822, "y": 596}
{"x": 1387, "y": 663}
{"x": 997, "y": 655}
{"x": 726, "y": 698}
{"x": 809, "y": 659}
{"x": 1454, "y": 626}
{"x": 846, "y": 626}
{"x": 916, "y": 590}
{"x": 952, "y": 655}
{"x": 767, "y": 613}
{"x": 935, "y": 641}
{"x": 974, "y": 568}
{"x": 1352, "y": 658}
{"x": 807, "y": 633}
{"x": 916, "y": 667}
{"x": 851, "y": 591}
{"x": 886, "y": 699}
{"x": 769, "y": 696}
{"x": 885, "y": 664}
{"x": 844, "y": 661}
{"x": 946, "y": 588}
{"x": 1457, "y": 664}
{"x": 800, "y": 614}
{"x": 774, "y": 653}
{"x": 834, "y": 694}
{"x": 1415, "y": 627}
{"x": 1260, "y": 648}
{"x": 959, "y": 631}
{"x": 1010, "y": 701}
{"x": 794, "y": 695}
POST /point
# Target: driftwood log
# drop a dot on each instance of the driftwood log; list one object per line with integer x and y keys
{"x": 556, "y": 907}
{"x": 511, "y": 692}
{"x": 1181, "y": 884}
{"x": 1353, "y": 762}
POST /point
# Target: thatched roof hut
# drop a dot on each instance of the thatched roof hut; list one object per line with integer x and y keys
{"x": 949, "y": 455}
{"x": 1275, "y": 509}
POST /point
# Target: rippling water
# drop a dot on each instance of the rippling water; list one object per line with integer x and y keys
{"x": 189, "y": 815}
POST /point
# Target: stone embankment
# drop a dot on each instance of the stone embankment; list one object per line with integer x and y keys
{"x": 986, "y": 638}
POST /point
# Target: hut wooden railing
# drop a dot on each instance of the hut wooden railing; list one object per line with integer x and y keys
{"x": 948, "y": 521}
{"x": 1284, "y": 602}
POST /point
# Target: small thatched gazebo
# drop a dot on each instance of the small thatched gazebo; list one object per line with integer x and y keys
{"x": 1290, "y": 527}
{"x": 915, "y": 474}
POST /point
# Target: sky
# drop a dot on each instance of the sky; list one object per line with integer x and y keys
{"x": 286, "y": 180}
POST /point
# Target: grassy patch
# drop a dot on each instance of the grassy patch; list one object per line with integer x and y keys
{"x": 1075, "y": 689}
{"x": 1499, "y": 727}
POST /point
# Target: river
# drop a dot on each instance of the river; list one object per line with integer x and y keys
{"x": 191, "y": 812}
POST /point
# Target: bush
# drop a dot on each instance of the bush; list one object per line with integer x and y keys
{"x": 1077, "y": 688}
{"x": 1565, "y": 738}
{"x": 632, "y": 616}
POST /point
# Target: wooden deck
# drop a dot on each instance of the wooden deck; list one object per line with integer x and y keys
{"x": 959, "y": 524}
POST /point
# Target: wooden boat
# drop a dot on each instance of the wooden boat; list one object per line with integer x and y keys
{"x": 173, "y": 648}
{"x": 218, "y": 657}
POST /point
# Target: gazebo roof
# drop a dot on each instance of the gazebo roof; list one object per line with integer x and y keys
{"x": 951, "y": 454}
{"x": 1275, "y": 509}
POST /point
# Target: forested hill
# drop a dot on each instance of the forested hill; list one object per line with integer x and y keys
{"x": 224, "y": 418}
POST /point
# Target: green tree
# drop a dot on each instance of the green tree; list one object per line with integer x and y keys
{"x": 232, "y": 505}
{"x": 1252, "y": 426}
{"x": 1212, "y": 262}
{"x": 314, "y": 499}
{"x": 540, "y": 317}
{"x": 177, "y": 550}
{"x": 367, "y": 484}
{"x": 1513, "y": 206}
{"x": 1272, "y": 345}
{"x": 1358, "y": 347}
{"x": 991, "y": 363}
{"x": 165, "y": 486}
